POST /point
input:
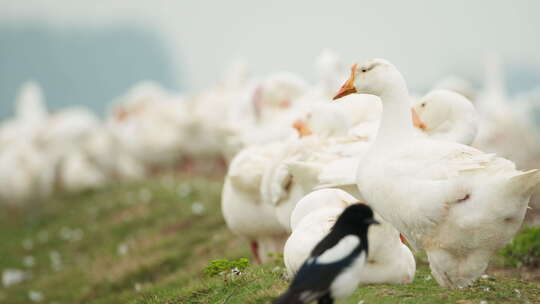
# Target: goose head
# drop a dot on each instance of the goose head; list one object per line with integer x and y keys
{"x": 324, "y": 120}
{"x": 375, "y": 76}
{"x": 447, "y": 115}
{"x": 280, "y": 90}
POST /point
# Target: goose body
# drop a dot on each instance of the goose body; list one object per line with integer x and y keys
{"x": 244, "y": 212}
{"x": 307, "y": 233}
{"x": 26, "y": 173}
{"x": 79, "y": 173}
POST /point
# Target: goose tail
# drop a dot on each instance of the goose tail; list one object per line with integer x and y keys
{"x": 525, "y": 182}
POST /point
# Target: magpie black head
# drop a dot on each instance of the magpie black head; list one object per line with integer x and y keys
{"x": 355, "y": 219}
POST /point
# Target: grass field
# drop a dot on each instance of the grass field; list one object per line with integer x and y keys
{"x": 148, "y": 242}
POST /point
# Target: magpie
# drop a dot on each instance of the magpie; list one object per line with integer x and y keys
{"x": 332, "y": 271}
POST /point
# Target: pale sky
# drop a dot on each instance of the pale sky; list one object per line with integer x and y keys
{"x": 425, "y": 39}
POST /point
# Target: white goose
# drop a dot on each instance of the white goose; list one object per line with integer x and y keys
{"x": 259, "y": 195}
{"x": 30, "y": 116}
{"x": 26, "y": 173}
{"x": 447, "y": 115}
{"x": 503, "y": 125}
{"x": 150, "y": 124}
{"x": 286, "y": 179}
{"x": 457, "y": 203}
{"x": 105, "y": 151}
{"x": 246, "y": 210}
{"x": 77, "y": 172}
{"x": 390, "y": 261}
{"x": 30, "y": 105}
{"x": 263, "y": 113}
{"x": 243, "y": 210}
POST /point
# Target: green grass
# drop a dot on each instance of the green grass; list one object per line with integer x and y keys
{"x": 524, "y": 249}
{"x": 143, "y": 243}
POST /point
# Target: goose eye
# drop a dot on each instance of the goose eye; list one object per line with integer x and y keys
{"x": 364, "y": 70}
{"x": 423, "y": 104}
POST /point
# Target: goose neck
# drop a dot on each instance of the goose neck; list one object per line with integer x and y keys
{"x": 396, "y": 122}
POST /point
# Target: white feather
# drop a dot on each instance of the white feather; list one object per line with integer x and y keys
{"x": 341, "y": 250}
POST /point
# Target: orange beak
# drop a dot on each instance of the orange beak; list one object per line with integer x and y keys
{"x": 302, "y": 128}
{"x": 120, "y": 114}
{"x": 417, "y": 122}
{"x": 285, "y": 103}
{"x": 402, "y": 238}
{"x": 348, "y": 87}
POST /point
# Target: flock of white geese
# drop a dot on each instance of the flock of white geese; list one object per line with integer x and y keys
{"x": 418, "y": 162}
{"x": 426, "y": 165}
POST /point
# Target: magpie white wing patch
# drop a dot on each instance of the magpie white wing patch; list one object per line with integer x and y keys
{"x": 342, "y": 249}
{"x": 348, "y": 280}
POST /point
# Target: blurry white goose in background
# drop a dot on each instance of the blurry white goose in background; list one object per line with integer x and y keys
{"x": 150, "y": 124}
{"x": 30, "y": 105}
{"x": 457, "y": 203}
{"x": 260, "y": 181}
{"x": 390, "y": 261}
{"x": 269, "y": 105}
{"x": 506, "y": 125}
{"x": 277, "y": 94}
{"x": 67, "y": 127}
{"x": 62, "y": 138}
{"x": 211, "y": 110}
{"x": 104, "y": 150}
{"x": 503, "y": 127}
{"x": 26, "y": 173}
{"x": 78, "y": 173}
{"x": 244, "y": 212}
{"x": 30, "y": 114}
{"x": 264, "y": 112}
{"x": 447, "y": 115}
{"x": 66, "y": 150}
